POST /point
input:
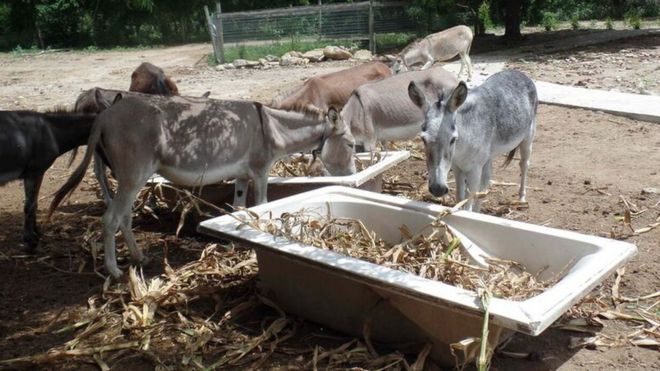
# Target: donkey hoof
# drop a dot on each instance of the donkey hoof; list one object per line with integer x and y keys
{"x": 116, "y": 273}
{"x": 141, "y": 260}
{"x": 31, "y": 244}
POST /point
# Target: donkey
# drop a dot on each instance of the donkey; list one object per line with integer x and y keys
{"x": 150, "y": 79}
{"x": 465, "y": 132}
{"x": 439, "y": 46}
{"x": 94, "y": 101}
{"x": 382, "y": 111}
{"x": 194, "y": 142}
{"x": 331, "y": 90}
{"x": 29, "y": 144}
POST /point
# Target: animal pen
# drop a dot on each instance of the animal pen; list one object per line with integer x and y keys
{"x": 353, "y": 21}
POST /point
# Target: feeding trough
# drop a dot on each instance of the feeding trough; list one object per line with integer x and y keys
{"x": 405, "y": 310}
{"x": 370, "y": 178}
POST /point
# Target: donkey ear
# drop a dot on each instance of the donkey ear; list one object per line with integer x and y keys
{"x": 206, "y": 95}
{"x": 458, "y": 96}
{"x": 101, "y": 102}
{"x": 118, "y": 97}
{"x": 417, "y": 96}
{"x": 334, "y": 118}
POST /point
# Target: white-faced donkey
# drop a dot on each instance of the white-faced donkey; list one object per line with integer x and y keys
{"x": 463, "y": 131}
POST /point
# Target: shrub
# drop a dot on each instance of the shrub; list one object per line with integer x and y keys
{"x": 483, "y": 14}
{"x": 575, "y": 22}
{"x": 549, "y": 21}
{"x": 634, "y": 19}
{"x": 609, "y": 24}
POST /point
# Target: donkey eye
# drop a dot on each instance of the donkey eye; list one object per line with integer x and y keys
{"x": 438, "y": 104}
{"x": 452, "y": 141}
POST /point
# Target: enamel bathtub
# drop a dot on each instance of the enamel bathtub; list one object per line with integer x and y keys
{"x": 404, "y": 310}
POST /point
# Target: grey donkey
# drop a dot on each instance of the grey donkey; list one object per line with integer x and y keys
{"x": 464, "y": 131}
{"x": 195, "y": 142}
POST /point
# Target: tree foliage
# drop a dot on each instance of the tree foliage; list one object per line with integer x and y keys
{"x": 103, "y": 23}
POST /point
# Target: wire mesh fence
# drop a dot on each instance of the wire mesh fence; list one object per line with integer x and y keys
{"x": 353, "y": 21}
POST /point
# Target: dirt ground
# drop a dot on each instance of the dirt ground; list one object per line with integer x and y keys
{"x": 629, "y": 66}
{"x": 586, "y": 166}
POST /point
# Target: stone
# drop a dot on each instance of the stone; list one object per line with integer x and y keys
{"x": 336, "y": 53}
{"x": 315, "y": 55}
{"x": 272, "y": 58}
{"x": 291, "y": 60}
{"x": 363, "y": 55}
{"x": 292, "y": 53}
{"x": 220, "y": 67}
{"x": 238, "y": 63}
{"x": 651, "y": 190}
{"x": 263, "y": 62}
{"x": 229, "y": 66}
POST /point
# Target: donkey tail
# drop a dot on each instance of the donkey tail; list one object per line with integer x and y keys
{"x": 78, "y": 174}
{"x": 509, "y": 157}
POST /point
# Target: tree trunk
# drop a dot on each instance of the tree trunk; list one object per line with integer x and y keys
{"x": 512, "y": 19}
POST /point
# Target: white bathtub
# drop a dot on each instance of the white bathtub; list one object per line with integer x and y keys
{"x": 405, "y": 310}
{"x": 371, "y": 178}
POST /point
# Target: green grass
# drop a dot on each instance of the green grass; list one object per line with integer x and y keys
{"x": 392, "y": 42}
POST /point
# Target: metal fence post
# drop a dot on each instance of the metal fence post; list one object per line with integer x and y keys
{"x": 220, "y": 32}
{"x": 211, "y": 27}
{"x": 372, "y": 37}
{"x": 320, "y": 19}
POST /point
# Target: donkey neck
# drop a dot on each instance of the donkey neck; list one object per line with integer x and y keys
{"x": 70, "y": 130}
{"x": 414, "y": 54}
{"x": 291, "y": 132}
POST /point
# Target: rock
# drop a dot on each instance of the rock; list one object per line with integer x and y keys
{"x": 229, "y": 66}
{"x": 651, "y": 190}
{"x": 292, "y": 53}
{"x": 263, "y": 62}
{"x": 238, "y": 63}
{"x": 290, "y": 60}
{"x": 272, "y": 58}
{"x": 315, "y": 55}
{"x": 363, "y": 55}
{"x": 336, "y": 53}
{"x": 220, "y": 67}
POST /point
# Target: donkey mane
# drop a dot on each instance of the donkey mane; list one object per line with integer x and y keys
{"x": 60, "y": 108}
{"x": 284, "y": 94}
{"x": 411, "y": 45}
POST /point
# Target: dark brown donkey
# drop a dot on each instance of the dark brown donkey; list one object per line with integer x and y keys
{"x": 150, "y": 79}
{"x": 319, "y": 93}
{"x": 29, "y": 144}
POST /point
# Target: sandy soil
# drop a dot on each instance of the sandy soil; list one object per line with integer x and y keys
{"x": 583, "y": 166}
{"x": 629, "y": 66}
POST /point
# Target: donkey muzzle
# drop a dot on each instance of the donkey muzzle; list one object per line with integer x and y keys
{"x": 438, "y": 190}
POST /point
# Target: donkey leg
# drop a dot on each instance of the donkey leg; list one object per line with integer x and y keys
{"x": 428, "y": 64}
{"x": 240, "y": 192}
{"x": 102, "y": 179}
{"x": 260, "y": 188}
{"x": 486, "y": 172}
{"x": 126, "y": 226}
{"x": 466, "y": 62}
{"x": 459, "y": 176}
{"x": 30, "y": 230}
{"x": 473, "y": 179}
{"x": 525, "y": 154}
{"x": 462, "y": 56}
{"x": 469, "y": 65}
{"x": 111, "y": 220}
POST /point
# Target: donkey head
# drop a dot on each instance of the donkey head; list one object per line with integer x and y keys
{"x": 439, "y": 132}
{"x": 150, "y": 79}
{"x": 338, "y": 145}
{"x": 399, "y": 65}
